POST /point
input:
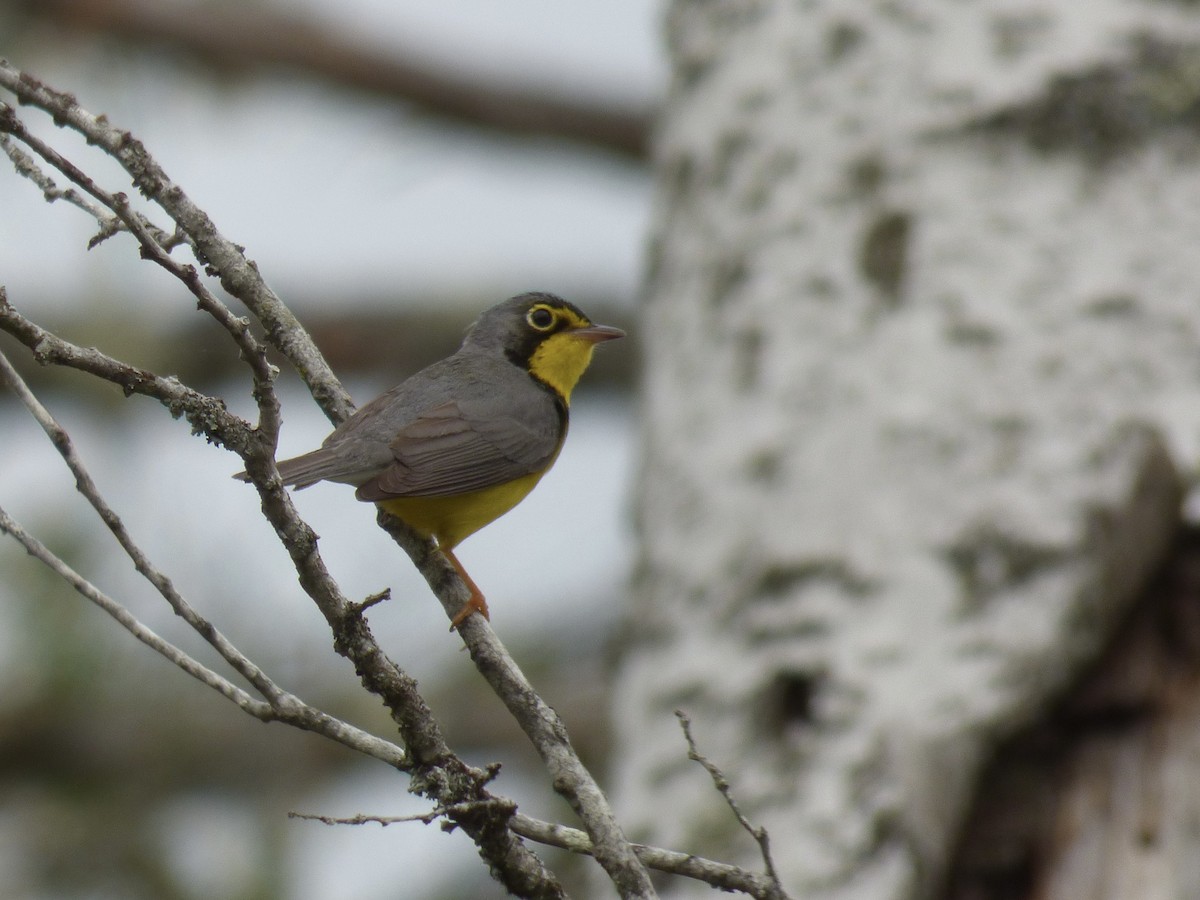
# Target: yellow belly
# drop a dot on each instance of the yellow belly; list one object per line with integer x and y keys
{"x": 453, "y": 518}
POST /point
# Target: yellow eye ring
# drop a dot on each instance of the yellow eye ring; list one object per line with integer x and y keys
{"x": 541, "y": 318}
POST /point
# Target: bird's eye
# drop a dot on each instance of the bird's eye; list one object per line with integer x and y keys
{"x": 540, "y": 318}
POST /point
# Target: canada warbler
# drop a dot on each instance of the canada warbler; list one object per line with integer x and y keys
{"x": 464, "y": 440}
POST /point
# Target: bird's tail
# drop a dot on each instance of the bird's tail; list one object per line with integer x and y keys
{"x": 305, "y": 470}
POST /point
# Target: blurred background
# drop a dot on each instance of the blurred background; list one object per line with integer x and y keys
{"x": 393, "y": 168}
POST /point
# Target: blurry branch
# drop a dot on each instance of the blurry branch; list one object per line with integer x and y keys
{"x": 235, "y": 37}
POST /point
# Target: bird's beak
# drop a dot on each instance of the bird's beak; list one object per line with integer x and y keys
{"x": 594, "y": 334}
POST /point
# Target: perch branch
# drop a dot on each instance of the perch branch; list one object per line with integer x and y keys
{"x": 537, "y": 719}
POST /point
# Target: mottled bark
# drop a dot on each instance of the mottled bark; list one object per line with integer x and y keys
{"x": 920, "y": 337}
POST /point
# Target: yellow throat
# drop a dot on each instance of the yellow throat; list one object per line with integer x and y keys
{"x": 560, "y": 360}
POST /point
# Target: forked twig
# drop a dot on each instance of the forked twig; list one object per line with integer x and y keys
{"x": 721, "y": 783}
{"x": 27, "y": 167}
{"x": 279, "y": 705}
{"x": 87, "y": 487}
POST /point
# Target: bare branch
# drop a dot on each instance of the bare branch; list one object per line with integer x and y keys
{"x": 364, "y": 819}
{"x": 27, "y": 167}
{"x": 207, "y": 415}
{"x": 87, "y": 487}
{"x": 437, "y": 772}
{"x": 285, "y": 708}
{"x": 719, "y": 875}
{"x": 239, "y": 276}
{"x": 39, "y": 551}
{"x": 506, "y": 807}
{"x": 537, "y": 719}
{"x": 373, "y": 599}
{"x": 152, "y": 240}
{"x": 722, "y": 785}
{"x": 280, "y": 706}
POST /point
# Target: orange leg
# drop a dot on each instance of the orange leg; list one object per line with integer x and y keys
{"x": 475, "y": 603}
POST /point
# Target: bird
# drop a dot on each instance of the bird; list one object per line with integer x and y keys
{"x": 464, "y": 440}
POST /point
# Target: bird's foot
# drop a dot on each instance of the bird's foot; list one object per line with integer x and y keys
{"x": 475, "y": 605}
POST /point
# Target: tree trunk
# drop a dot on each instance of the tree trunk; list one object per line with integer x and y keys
{"x": 1100, "y": 799}
{"x": 921, "y": 354}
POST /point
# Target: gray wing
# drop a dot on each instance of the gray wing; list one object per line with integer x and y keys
{"x": 459, "y": 425}
{"x": 358, "y": 448}
{"x": 468, "y": 444}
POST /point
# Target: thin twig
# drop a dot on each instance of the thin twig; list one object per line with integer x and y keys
{"x": 26, "y": 167}
{"x": 151, "y": 239}
{"x": 719, "y": 875}
{"x": 287, "y": 708}
{"x": 239, "y": 276}
{"x": 364, "y": 819}
{"x": 456, "y": 810}
{"x": 35, "y": 548}
{"x": 87, "y": 487}
{"x": 207, "y": 415}
{"x": 372, "y": 599}
{"x": 721, "y": 783}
